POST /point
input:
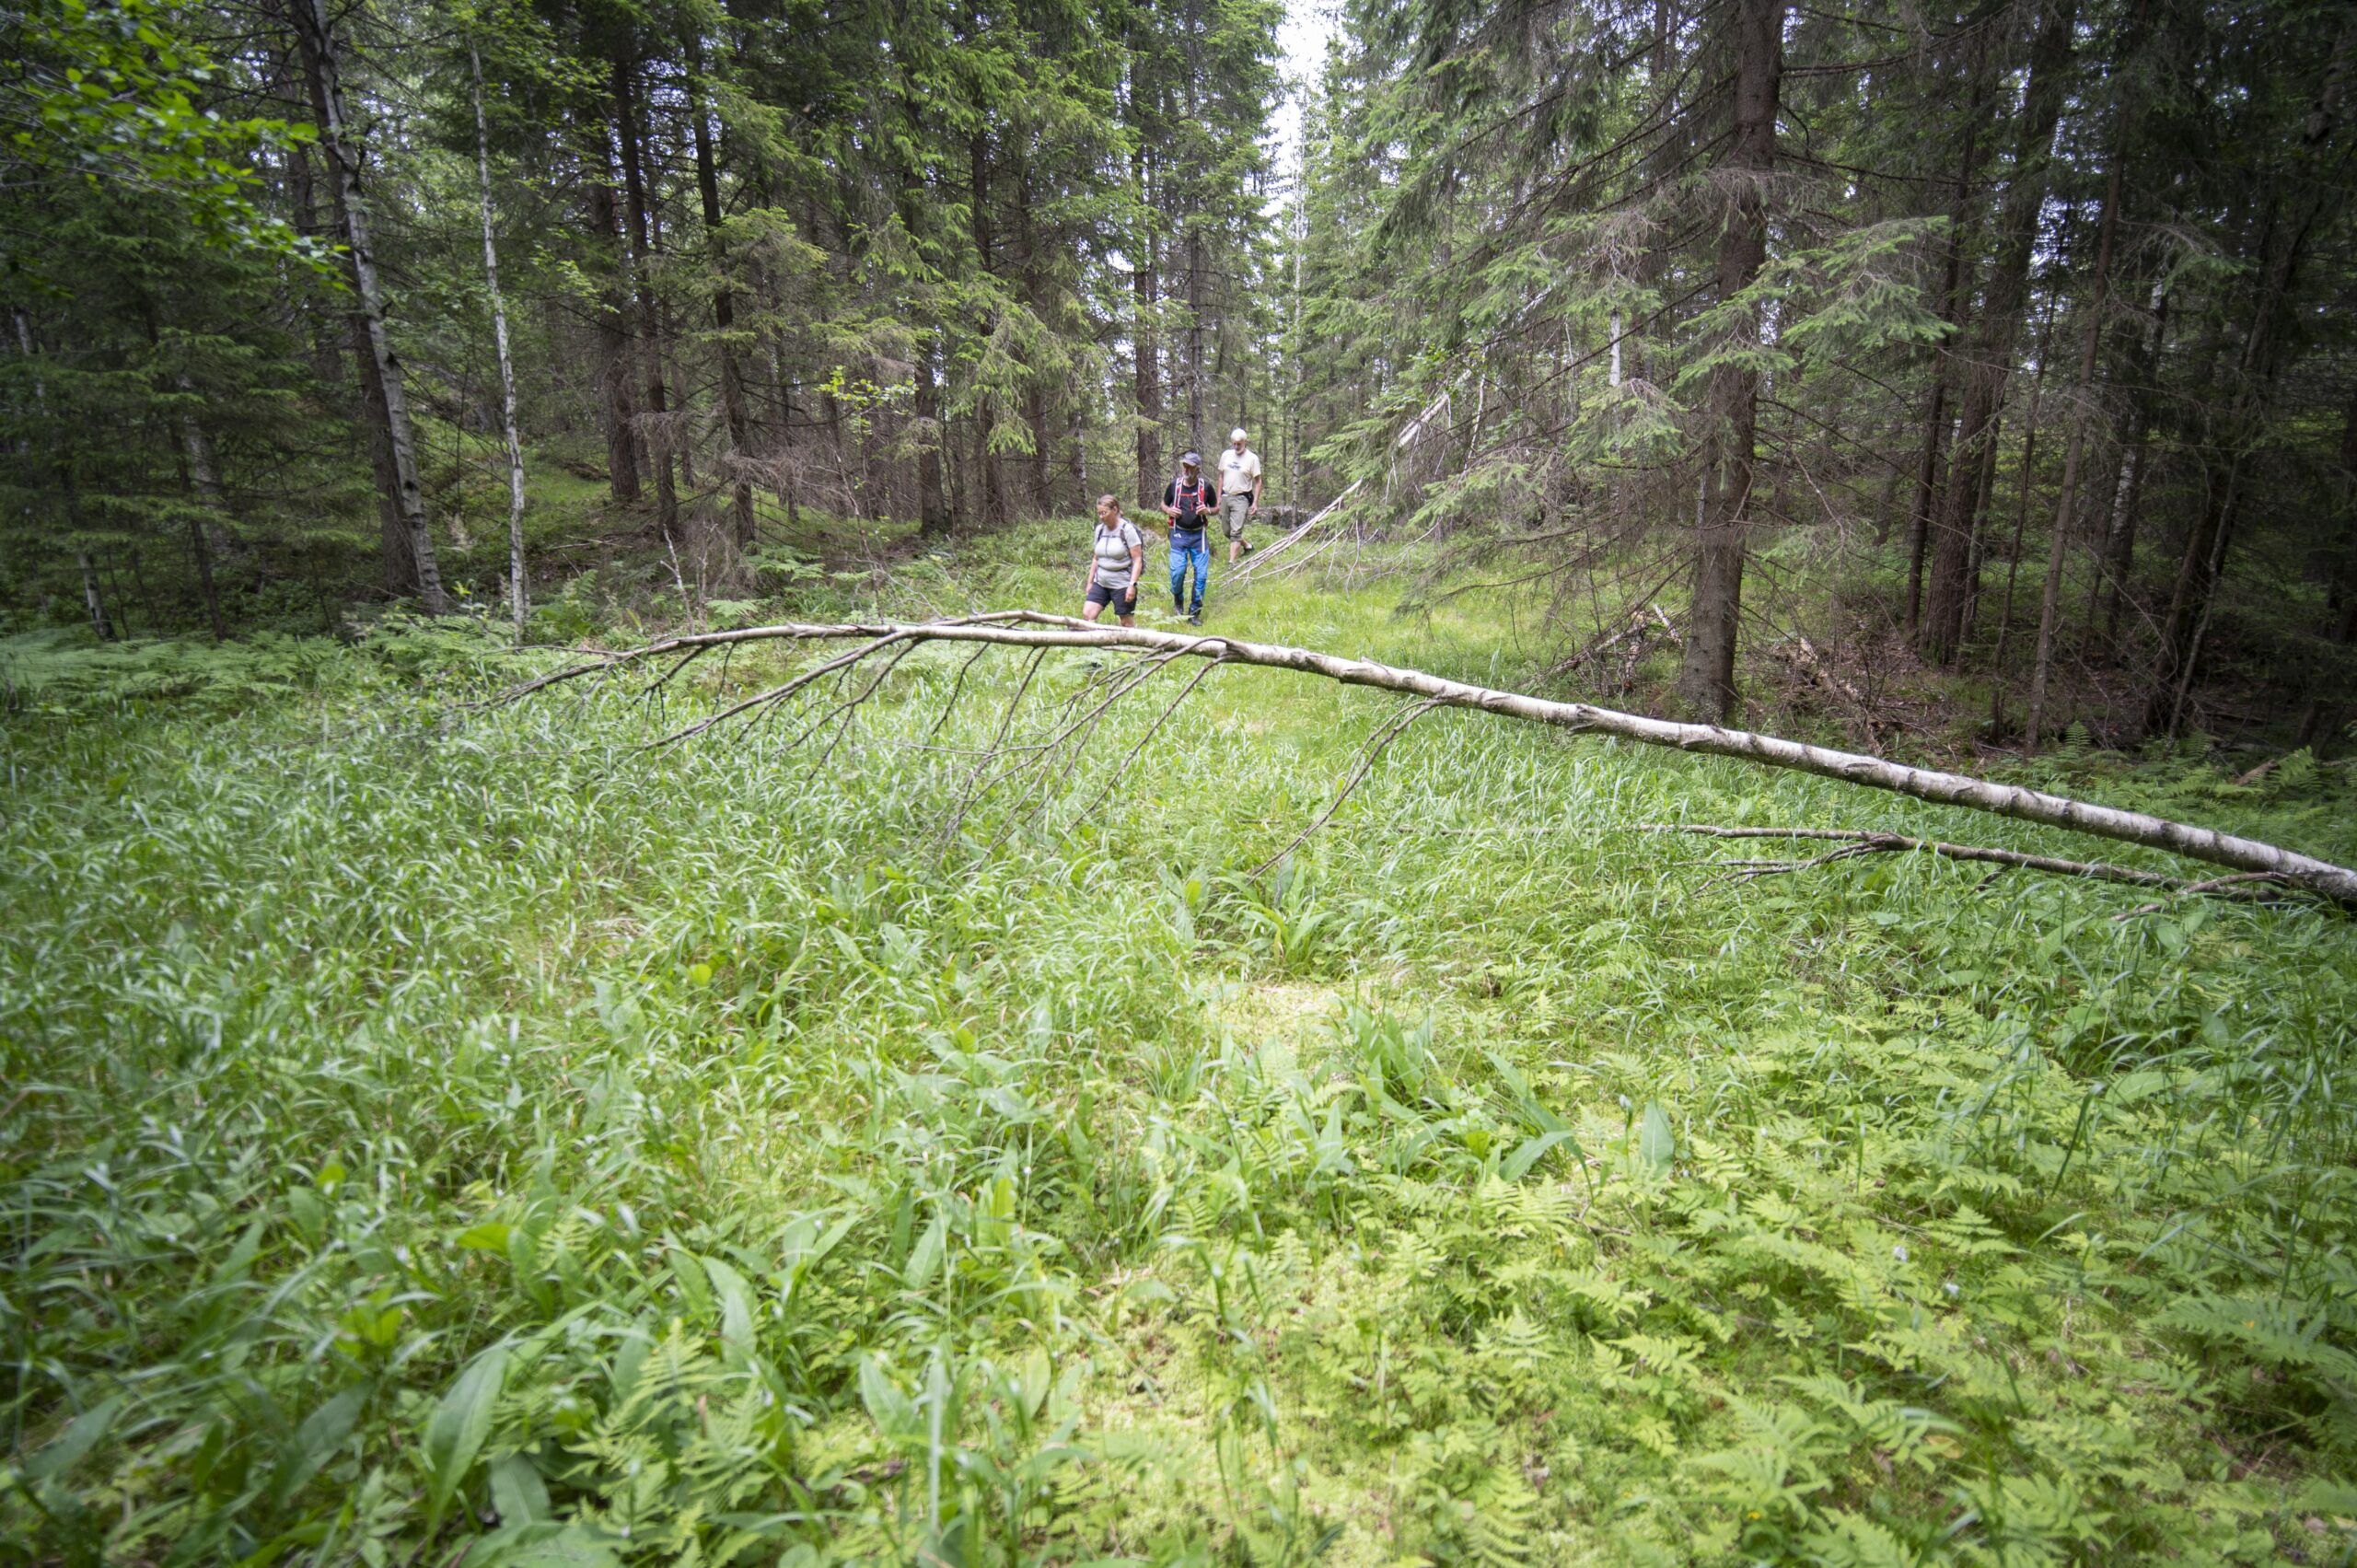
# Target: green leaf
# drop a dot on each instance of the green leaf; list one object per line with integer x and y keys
{"x": 1532, "y": 1151}
{"x": 491, "y": 1235}
{"x": 241, "y": 1257}
{"x": 316, "y": 1441}
{"x": 924, "y": 1259}
{"x": 455, "y": 1433}
{"x": 736, "y": 1305}
{"x": 518, "y": 1491}
{"x": 82, "y": 1433}
{"x": 893, "y": 1412}
{"x": 575, "y": 1546}
{"x": 1656, "y": 1145}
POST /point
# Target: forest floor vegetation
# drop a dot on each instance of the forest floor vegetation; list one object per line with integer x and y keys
{"x": 436, "y": 1128}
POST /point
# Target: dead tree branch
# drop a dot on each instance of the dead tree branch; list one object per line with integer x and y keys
{"x": 1862, "y": 841}
{"x": 1367, "y": 754}
{"x": 1242, "y": 571}
{"x": 1041, "y": 633}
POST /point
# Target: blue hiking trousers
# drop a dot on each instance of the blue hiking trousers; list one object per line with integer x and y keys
{"x": 1187, "y": 548}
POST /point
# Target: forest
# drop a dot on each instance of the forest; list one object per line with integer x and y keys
{"x": 1728, "y": 941}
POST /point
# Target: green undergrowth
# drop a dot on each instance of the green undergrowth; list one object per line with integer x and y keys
{"x": 434, "y": 1130}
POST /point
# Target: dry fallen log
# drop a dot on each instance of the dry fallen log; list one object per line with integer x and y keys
{"x": 1025, "y": 629}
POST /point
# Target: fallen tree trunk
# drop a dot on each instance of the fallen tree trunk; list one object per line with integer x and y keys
{"x": 1025, "y": 629}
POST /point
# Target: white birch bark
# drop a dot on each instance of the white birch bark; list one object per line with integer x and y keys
{"x": 1031, "y": 630}
{"x": 343, "y": 163}
{"x": 518, "y": 597}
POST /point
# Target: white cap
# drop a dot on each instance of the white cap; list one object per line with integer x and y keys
{"x": 1236, "y": 433}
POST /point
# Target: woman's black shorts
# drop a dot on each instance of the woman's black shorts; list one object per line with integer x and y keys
{"x": 1122, "y": 600}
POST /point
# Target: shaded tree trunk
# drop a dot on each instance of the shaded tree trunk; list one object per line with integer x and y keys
{"x": 1931, "y": 468}
{"x": 1987, "y": 368}
{"x": 2301, "y": 200}
{"x": 92, "y": 600}
{"x": 327, "y": 364}
{"x": 1041, "y": 500}
{"x": 2013, "y": 561}
{"x": 619, "y": 409}
{"x": 2327, "y": 714}
{"x": 2050, "y": 612}
{"x": 933, "y": 505}
{"x": 204, "y": 482}
{"x": 650, "y": 321}
{"x": 989, "y": 481}
{"x": 1984, "y": 488}
{"x": 724, "y": 310}
{"x": 406, "y": 496}
{"x": 1147, "y": 343}
{"x": 1194, "y": 338}
{"x": 1707, "y": 681}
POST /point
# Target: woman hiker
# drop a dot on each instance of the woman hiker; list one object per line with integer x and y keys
{"x": 1115, "y": 564}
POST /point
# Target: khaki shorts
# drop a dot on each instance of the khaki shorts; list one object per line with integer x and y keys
{"x": 1235, "y": 511}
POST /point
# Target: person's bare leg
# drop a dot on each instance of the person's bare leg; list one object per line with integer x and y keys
{"x": 1091, "y": 611}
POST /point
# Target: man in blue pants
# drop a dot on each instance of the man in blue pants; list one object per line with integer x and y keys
{"x": 1191, "y": 501}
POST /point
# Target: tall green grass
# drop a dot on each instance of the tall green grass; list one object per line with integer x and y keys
{"x": 434, "y": 1130}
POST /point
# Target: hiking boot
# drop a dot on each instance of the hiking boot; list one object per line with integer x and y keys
{"x": 1196, "y": 619}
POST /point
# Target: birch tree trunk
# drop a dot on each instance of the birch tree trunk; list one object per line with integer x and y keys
{"x": 1025, "y": 629}
{"x": 91, "y": 599}
{"x": 650, "y": 321}
{"x": 204, "y": 480}
{"x": 724, "y": 307}
{"x": 518, "y": 590}
{"x": 407, "y": 499}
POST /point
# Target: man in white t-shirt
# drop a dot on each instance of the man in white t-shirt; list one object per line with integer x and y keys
{"x": 1239, "y": 492}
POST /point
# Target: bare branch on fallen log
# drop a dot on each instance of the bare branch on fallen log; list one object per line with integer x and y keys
{"x": 2237, "y": 886}
{"x": 1863, "y": 841}
{"x": 1635, "y": 638}
{"x": 1242, "y": 571}
{"x": 1367, "y": 754}
{"x": 1030, "y": 629}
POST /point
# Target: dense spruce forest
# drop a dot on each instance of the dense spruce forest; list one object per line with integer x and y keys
{"x": 1727, "y": 941}
{"x": 2008, "y": 340}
